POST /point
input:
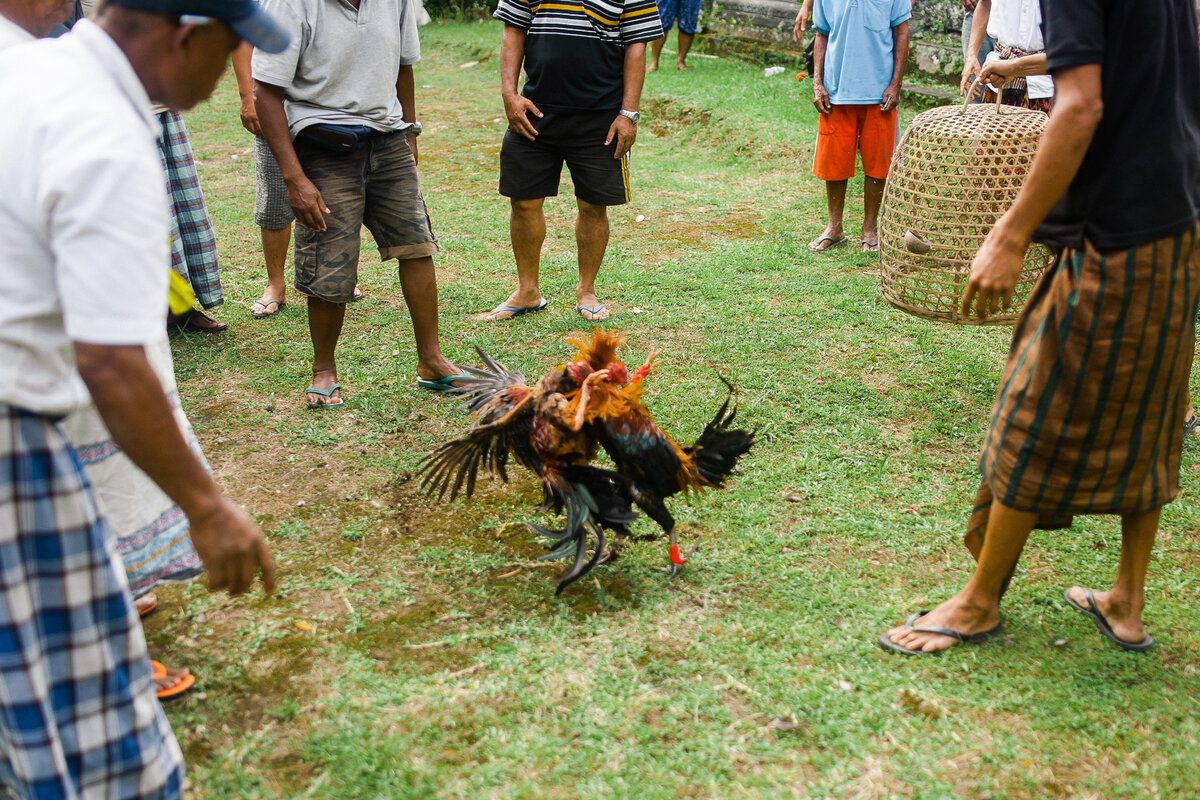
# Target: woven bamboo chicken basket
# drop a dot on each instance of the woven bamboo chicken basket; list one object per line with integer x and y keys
{"x": 956, "y": 171}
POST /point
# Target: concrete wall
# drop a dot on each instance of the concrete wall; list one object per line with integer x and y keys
{"x": 935, "y": 30}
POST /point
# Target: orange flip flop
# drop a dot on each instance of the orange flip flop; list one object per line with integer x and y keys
{"x": 158, "y": 672}
{"x": 148, "y": 610}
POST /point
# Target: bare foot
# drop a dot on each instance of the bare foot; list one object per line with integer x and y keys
{"x": 1124, "y": 621}
{"x": 653, "y": 67}
{"x": 172, "y": 682}
{"x": 324, "y": 380}
{"x": 681, "y": 65}
{"x": 518, "y": 303}
{"x": 956, "y": 615}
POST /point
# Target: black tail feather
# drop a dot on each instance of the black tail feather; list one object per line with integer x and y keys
{"x": 716, "y": 451}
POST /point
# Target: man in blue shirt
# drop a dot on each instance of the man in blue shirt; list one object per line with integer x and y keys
{"x": 858, "y": 60}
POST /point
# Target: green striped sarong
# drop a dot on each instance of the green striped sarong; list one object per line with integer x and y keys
{"x": 1089, "y": 414}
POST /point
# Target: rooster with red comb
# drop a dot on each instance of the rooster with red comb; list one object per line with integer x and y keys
{"x": 555, "y": 429}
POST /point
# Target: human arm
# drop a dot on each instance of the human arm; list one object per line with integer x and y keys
{"x": 997, "y": 265}
{"x": 406, "y": 93}
{"x": 130, "y": 399}
{"x": 802, "y": 18}
{"x": 979, "y": 23}
{"x": 516, "y": 107}
{"x": 303, "y": 196}
{"x": 891, "y": 95}
{"x": 820, "y": 94}
{"x": 1013, "y": 68}
{"x": 245, "y": 84}
{"x": 623, "y": 129}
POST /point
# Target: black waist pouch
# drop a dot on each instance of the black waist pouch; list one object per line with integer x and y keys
{"x": 336, "y": 138}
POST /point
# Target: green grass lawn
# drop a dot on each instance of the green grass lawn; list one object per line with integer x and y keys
{"x": 416, "y": 649}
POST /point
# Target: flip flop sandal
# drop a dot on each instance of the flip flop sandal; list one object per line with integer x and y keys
{"x": 148, "y": 610}
{"x": 816, "y": 246}
{"x": 444, "y": 385}
{"x": 593, "y": 310}
{"x": 324, "y": 393}
{"x": 517, "y": 311}
{"x": 186, "y": 682}
{"x": 280, "y": 305}
{"x": 1102, "y": 624}
{"x": 963, "y": 638}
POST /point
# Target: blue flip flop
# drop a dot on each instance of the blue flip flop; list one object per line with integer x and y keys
{"x": 445, "y": 385}
{"x": 593, "y": 310}
{"x": 324, "y": 393}
{"x": 517, "y": 311}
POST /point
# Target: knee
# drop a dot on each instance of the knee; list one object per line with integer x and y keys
{"x": 527, "y": 208}
{"x": 592, "y": 213}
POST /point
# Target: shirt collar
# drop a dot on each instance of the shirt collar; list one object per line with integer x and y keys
{"x": 112, "y": 59}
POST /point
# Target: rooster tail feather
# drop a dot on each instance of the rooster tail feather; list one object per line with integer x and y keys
{"x": 716, "y": 451}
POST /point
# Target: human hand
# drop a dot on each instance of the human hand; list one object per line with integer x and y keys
{"x": 307, "y": 204}
{"x": 624, "y": 131}
{"x": 969, "y": 5}
{"x": 891, "y": 96}
{"x": 994, "y": 273}
{"x": 970, "y": 71}
{"x": 517, "y": 109}
{"x": 232, "y": 549}
{"x": 412, "y": 145}
{"x": 250, "y": 116}
{"x": 821, "y": 97}
{"x": 1005, "y": 71}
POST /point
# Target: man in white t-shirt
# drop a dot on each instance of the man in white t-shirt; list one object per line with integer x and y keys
{"x": 83, "y": 286}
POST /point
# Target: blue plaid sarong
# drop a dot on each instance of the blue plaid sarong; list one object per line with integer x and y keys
{"x": 193, "y": 243}
{"x": 78, "y": 713}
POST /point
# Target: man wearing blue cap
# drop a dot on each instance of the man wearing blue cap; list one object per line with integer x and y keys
{"x": 83, "y": 256}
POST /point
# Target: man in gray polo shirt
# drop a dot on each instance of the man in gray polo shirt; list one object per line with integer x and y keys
{"x": 343, "y": 129}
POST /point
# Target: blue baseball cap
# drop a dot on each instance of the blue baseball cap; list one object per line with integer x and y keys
{"x": 245, "y": 17}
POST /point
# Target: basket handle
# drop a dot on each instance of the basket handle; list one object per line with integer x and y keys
{"x": 971, "y": 93}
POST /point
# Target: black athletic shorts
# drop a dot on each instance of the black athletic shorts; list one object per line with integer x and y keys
{"x": 529, "y": 170}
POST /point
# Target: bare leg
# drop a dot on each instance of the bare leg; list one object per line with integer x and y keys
{"x": 275, "y": 246}
{"x": 685, "y": 44}
{"x": 591, "y": 239}
{"x": 835, "y": 199}
{"x": 656, "y": 47}
{"x": 872, "y": 199}
{"x": 976, "y": 607}
{"x": 418, "y": 282}
{"x": 1122, "y": 606}
{"x": 325, "y": 328}
{"x": 527, "y": 228}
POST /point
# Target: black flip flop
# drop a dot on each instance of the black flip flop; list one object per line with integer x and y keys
{"x": 1103, "y": 626}
{"x": 963, "y": 638}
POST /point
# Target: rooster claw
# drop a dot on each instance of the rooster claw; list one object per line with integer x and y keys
{"x": 672, "y": 570}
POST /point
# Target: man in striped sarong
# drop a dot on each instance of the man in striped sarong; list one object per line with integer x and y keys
{"x": 1093, "y": 396}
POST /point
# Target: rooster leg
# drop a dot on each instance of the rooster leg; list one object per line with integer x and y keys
{"x": 656, "y": 509}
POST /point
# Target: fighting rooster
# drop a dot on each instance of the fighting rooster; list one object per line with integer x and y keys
{"x": 555, "y": 428}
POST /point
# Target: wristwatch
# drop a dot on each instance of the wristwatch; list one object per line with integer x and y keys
{"x": 632, "y": 116}
{"x": 414, "y": 128}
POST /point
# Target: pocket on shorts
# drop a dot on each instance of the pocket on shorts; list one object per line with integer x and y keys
{"x": 877, "y": 14}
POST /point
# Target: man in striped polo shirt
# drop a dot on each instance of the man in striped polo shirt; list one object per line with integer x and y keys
{"x": 584, "y": 63}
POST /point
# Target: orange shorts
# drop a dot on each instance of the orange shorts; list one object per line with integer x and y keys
{"x": 845, "y": 131}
